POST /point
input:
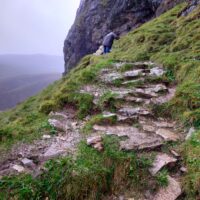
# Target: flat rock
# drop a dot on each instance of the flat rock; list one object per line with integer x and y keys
{"x": 58, "y": 114}
{"x": 126, "y": 119}
{"x": 149, "y": 128}
{"x": 46, "y": 136}
{"x": 119, "y": 65}
{"x": 59, "y": 125}
{"x": 183, "y": 169}
{"x": 159, "y": 88}
{"x": 130, "y": 111}
{"x": 167, "y": 135}
{"x": 53, "y": 151}
{"x": 171, "y": 192}
{"x": 163, "y": 124}
{"x": 146, "y": 93}
{"x": 160, "y": 161}
{"x": 157, "y": 71}
{"x": 133, "y": 81}
{"x": 111, "y": 77}
{"x": 94, "y": 140}
{"x": 134, "y": 99}
{"x": 18, "y": 168}
{"x": 174, "y": 153}
{"x": 141, "y": 141}
{"x": 120, "y": 131}
{"x": 27, "y": 162}
{"x": 134, "y": 73}
{"x": 165, "y": 98}
{"x": 136, "y": 140}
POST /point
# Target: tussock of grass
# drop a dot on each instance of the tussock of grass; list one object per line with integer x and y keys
{"x": 99, "y": 120}
{"x": 191, "y": 152}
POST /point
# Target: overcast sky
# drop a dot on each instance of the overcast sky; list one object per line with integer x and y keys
{"x": 35, "y": 26}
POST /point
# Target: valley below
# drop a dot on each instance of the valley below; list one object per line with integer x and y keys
{"x": 22, "y": 76}
{"x": 16, "y": 89}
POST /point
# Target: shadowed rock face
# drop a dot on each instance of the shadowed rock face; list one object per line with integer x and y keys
{"x": 167, "y": 5}
{"x": 192, "y": 4}
{"x": 96, "y": 18}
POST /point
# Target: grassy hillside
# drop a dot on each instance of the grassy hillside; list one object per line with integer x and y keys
{"x": 171, "y": 41}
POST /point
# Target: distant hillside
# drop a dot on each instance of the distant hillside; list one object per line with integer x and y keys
{"x": 13, "y": 65}
{"x": 16, "y": 89}
{"x": 22, "y": 76}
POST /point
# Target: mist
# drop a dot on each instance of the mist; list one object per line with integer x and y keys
{"x": 35, "y": 26}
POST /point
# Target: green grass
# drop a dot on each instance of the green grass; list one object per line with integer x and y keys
{"x": 162, "y": 179}
{"x": 99, "y": 120}
{"x": 191, "y": 152}
{"x": 174, "y": 43}
{"x": 90, "y": 176}
{"x": 107, "y": 101}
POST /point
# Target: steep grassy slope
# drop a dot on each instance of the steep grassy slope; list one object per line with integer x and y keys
{"x": 168, "y": 40}
{"x": 175, "y": 44}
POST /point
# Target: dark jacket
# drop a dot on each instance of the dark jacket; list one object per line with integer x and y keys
{"x": 108, "y": 39}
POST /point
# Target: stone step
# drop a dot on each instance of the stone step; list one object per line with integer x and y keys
{"x": 134, "y": 74}
{"x": 168, "y": 135}
{"x": 130, "y": 111}
{"x": 171, "y": 192}
{"x": 119, "y": 118}
{"x": 136, "y": 140}
{"x": 139, "y": 81}
{"x": 136, "y": 65}
{"x": 161, "y": 160}
{"x": 109, "y": 76}
{"x": 59, "y": 125}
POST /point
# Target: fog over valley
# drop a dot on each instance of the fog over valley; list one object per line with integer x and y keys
{"x": 31, "y": 46}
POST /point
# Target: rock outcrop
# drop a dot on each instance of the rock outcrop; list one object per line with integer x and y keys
{"x": 192, "y": 4}
{"x": 96, "y": 18}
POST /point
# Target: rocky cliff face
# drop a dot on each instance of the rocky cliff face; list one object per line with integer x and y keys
{"x": 95, "y": 18}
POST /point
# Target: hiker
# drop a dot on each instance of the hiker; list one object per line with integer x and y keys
{"x": 108, "y": 41}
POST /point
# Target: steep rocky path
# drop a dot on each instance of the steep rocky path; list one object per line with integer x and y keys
{"x": 135, "y": 89}
{"x": 139, "y": 87}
